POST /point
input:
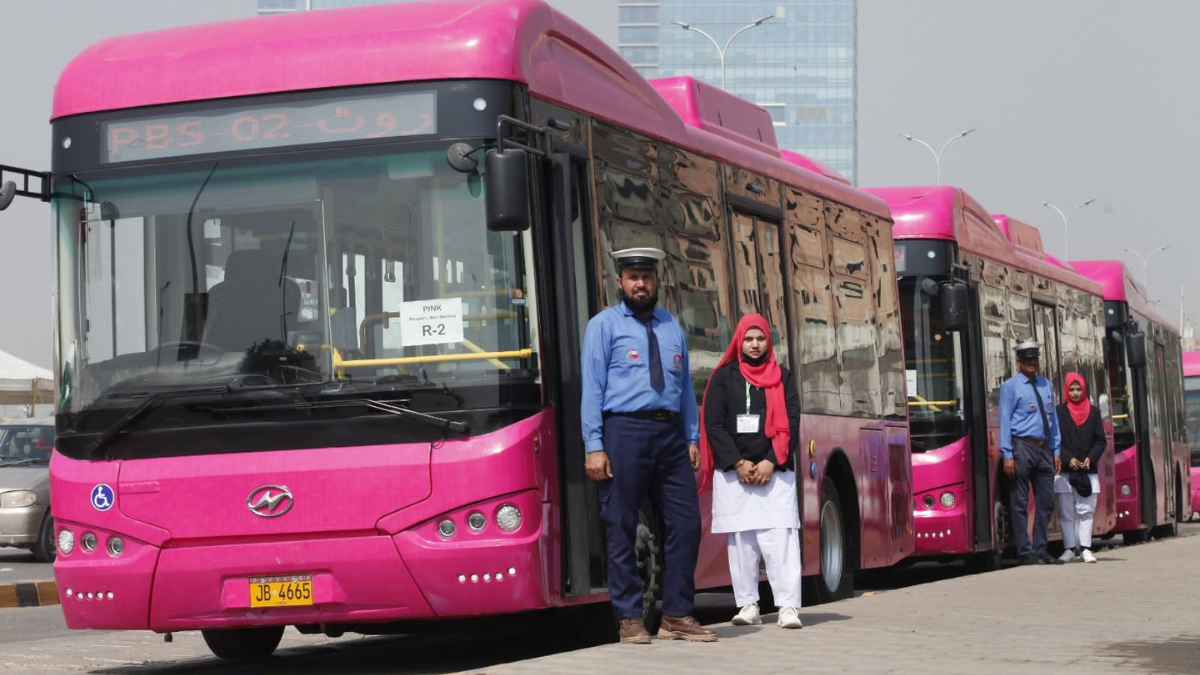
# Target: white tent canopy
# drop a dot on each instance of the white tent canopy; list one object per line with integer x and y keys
{"x": 23, "y": 383}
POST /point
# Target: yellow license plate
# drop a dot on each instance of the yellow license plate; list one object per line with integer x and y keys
{"x": 281, "y": 591}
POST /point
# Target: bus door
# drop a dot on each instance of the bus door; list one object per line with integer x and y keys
{"x": 984, "y": 452}
{"x": 1164, "y": 432}
{"x": 571, "y": 282}
{"x": 1143, "y": 391}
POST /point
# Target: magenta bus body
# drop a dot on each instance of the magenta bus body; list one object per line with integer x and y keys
{"x": 1191, "y": 394}
{"x": 364, "y": 522}
{"x": 1153, "y": 475}
{"x": 1015, "y": 292}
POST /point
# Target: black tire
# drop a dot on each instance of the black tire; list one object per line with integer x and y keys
{"x": 647, "y": 549}
{"x": 46, "y": 546}
{"x": 1133, "y": 537}
{"x": 243, "y": 644}
{"x": 836, "y": 578}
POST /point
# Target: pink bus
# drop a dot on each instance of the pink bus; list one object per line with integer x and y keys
{"x": 972, "y": 286}
{"x": 1145, "y": 380}
{"x": 407, "y": 448}
{"x": 1191, "y": 389}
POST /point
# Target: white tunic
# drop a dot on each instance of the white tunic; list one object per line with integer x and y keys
{"x": 738, "y": 507}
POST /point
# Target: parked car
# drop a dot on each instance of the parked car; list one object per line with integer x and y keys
{"x": 25, "y": 521}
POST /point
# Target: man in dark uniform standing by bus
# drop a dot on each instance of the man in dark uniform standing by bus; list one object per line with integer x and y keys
{"x": 1029, "y": 442}
{"x": 640, "y": 430}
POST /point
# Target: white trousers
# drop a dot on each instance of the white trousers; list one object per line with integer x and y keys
{"x": 780, "y": 548}
{"x": 1075, "y": 513}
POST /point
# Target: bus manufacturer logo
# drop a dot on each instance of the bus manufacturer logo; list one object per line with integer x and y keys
{"x": 270, "y": 501}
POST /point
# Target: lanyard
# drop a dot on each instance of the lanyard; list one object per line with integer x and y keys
{"x": 747, "y": 397}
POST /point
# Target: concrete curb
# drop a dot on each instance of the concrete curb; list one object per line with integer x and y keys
{"x": 28, "y": 594}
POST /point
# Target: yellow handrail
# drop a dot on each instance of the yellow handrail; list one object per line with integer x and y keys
{"x": 340, "y": 364}
{"x": 933, "y": 403}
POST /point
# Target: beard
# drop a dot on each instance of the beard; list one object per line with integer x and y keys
{"x": 640, "y": 305}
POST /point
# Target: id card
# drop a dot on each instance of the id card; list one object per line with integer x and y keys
{"x": 747, "y": 424}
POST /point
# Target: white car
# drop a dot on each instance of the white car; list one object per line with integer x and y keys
{"x": 25, "y": 521}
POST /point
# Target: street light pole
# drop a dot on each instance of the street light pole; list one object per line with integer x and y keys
{"x": 1146, "y": 261}
{"x": 1066, "y": 218}
{"x": 722, "y": 50}
{"x": 937, "y": 154}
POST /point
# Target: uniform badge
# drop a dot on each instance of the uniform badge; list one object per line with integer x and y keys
{"x": 632, "y": 355}
{"x": 678, "y": 361}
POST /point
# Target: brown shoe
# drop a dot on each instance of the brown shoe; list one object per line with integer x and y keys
{"x": 633, "y": 632}
{"x": 685, "y": 628}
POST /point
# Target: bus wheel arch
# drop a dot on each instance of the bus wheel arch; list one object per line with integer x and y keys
{"x": 838, "y": 518}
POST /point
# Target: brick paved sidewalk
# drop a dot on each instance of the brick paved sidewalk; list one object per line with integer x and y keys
{"x": 1136, "y": 611}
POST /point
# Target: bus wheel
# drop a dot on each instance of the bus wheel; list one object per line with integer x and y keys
{"x": 1134, "y": 537}
{"x": 836, "y": 580}
{"x": 243, "y": 644}
{"x": 46, "y": 546}
{"x": 648, "y": 551}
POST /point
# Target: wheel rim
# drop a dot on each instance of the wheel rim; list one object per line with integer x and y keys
{"x": 831, "y": 546}
{"x": 646, "y": 552}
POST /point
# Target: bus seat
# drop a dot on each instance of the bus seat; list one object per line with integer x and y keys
{"x": 251, "y": 305}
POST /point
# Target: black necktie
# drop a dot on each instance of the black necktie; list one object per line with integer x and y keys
{"x": 656, "y": 371}
{"x": 1041, "y": 409}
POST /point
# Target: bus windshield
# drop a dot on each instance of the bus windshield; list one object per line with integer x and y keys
{"x": 1191, "y": 387}
{"x": 1122, "y": 409}
{"x": 371, "y": 267}
{"x": 934, "y": 369}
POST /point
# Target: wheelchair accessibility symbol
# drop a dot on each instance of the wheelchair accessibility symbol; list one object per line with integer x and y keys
{"x": 102, "y": 497}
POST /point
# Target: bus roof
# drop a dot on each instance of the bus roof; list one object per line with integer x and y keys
{"x": 523, "y": 41}
{"x": 947, "y": 212}
{"x": 1191, "y": 364}
{"x": 1119, "y": 285}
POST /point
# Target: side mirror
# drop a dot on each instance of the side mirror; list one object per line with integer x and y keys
{"x": 1135, "y": 349}
{"x": 954, "y": 298}
{"x": 506, "y": 183}
{"x": 7, "y": 192}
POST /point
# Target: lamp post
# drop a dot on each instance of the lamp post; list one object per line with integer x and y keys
{"x": 1146, "y": 260}
{"x": 1066, "y": 217}
{"x": 722, "y": 50}
{"x": 937, "y": 154}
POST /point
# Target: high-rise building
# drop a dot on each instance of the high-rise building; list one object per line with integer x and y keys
{"x": 799, "y": 64}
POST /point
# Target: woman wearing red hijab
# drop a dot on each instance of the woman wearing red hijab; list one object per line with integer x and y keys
{"x": 1076, "y": 487}
{"x": 750, "y": 432}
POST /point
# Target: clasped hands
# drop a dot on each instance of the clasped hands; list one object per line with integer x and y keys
{"x": 1084, "y": 465}
{"x": 750, "y": 473}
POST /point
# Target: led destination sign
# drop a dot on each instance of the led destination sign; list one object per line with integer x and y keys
{"x": 273, "y": 126}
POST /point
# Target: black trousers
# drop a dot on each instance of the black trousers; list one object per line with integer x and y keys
{"x": 1035, "y": 466}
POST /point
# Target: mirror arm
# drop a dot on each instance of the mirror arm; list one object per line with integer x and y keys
{"x": 10, "y": 189}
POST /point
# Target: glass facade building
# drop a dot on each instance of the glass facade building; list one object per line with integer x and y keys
{"x": 799, "y": 65}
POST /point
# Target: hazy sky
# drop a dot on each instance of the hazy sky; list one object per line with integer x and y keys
{"x": 1072, "y": 99}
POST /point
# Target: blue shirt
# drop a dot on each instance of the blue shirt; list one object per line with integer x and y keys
{"x": 1019, "y": 415}
{"x": 616, "y": 371}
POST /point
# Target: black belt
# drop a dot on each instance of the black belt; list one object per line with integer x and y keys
{"x": 1030, "y": 439}
{"x": 654, "y": 415}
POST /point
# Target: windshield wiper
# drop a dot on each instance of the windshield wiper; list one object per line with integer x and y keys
{"x": 25, "y": 462}
{"x": 399, "y": 411}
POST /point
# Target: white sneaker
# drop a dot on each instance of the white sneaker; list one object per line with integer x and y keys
{"x": 1067, "y": 556}
{"x": 788, "y": 618}
{"x": 1087, "y": 556}
{"x": 748, "y": 616}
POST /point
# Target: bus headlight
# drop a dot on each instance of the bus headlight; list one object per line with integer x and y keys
{"x": 88, "y": 541}
{"x": 948, "y": 500}
{"x": 66, "y": 540}
{"x": 508, "y": 517}
{"x": 15, "y": 499}
{"x": 476, "y": 521}
{"x": 1126, "y": 490}
{"x": 116, "y": 546}
{"x": 446, "y": 528}
{"x": 927, "y": 502}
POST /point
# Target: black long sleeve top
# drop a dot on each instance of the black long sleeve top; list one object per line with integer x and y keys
{"x": 726, "y": 400}
{"x": 1082, "y": 442}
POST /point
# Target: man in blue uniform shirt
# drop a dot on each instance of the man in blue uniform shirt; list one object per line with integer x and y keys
{"x": 1029, "y": 442}
{"x": 640, "y": 430}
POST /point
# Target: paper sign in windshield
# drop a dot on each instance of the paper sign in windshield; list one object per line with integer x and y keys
{"x": 431, "y": 322}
